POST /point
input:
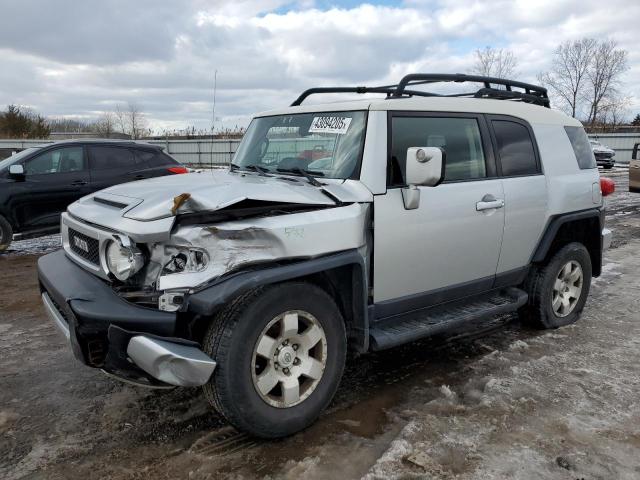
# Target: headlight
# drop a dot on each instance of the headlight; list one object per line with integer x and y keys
{"x": 184, "y": 260}
{"x": 123, "y": 259}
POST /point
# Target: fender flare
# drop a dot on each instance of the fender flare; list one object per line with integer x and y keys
{"x": 554, "y": 225}
{"x": 213, "y": 297}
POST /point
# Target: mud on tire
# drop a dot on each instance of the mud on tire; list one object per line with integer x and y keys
{"x": 232, "y": 340}
{"x": 541, "y": 283}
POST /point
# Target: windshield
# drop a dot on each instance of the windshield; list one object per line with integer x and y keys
{"x": 17, "y": 157}
{"x": 327, "y": 144}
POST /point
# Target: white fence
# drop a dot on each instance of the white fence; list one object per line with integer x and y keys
{"x": 207, "y": 152}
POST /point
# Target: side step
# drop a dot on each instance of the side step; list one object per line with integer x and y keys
{"x": 431, "y": 321}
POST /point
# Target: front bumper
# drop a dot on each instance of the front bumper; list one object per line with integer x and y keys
{"x": 107, "y": 332}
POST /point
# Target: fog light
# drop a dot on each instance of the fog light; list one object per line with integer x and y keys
{"x": 123, "y": 258}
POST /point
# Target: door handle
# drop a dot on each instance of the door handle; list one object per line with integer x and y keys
{"x": 140, "y": 177}
{"x": 78, "y": 183}
{"x": 489, "y": 202}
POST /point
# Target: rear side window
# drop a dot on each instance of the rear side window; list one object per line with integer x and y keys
{"x": 103, "y": 158}
{"x": 515, "y": 149}
{"x": 154, "y": 158}
{"x": 581, "y": 147}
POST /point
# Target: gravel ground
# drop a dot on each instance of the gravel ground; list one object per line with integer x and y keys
{"x": 506, "y": 402}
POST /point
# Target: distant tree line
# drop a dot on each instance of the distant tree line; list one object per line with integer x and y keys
{"x": 17, "y": 122}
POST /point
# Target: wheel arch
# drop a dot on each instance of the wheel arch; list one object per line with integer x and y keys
{"x": 343, "y": 275}
{"x": 584, "y": 227}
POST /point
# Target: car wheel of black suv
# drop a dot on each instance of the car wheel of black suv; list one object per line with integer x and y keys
{"x": 6, "y": 234}
{"x": 558, "y": 290}
{"x": 280, "y": 351}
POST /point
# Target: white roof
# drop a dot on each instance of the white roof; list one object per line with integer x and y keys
{"x": 526, "y": 111}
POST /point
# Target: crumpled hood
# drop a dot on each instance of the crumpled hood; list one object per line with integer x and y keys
{"x": 154, "y": 199}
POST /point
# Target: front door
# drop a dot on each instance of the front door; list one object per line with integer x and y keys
{"x": 53, "y": 180}
{"x": 449, "y": 246}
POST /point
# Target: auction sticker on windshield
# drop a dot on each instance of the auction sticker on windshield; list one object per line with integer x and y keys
{"x": 338, "y": 125}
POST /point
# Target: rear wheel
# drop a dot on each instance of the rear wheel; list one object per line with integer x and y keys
{"x": 280, "y": 352}
{"x": 6, "y": 234}
{"x": 558, "y": 290}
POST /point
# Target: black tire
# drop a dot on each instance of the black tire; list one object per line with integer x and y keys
{"x": 539, "y": 311}
{"x": 231, "y": 339}
{"x": 6, "y": 234}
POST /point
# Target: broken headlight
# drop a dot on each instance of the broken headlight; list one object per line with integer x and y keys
{"x": 123, "y": 258}
{"x": 185, "y": 260}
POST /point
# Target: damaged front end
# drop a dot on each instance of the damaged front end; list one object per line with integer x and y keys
{"x": 123, "y": 285}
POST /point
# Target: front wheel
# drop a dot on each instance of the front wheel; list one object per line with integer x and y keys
{"x": 558, "y": 290}
{"x": 6, "y": 234}
{"x": 280, "y": 351}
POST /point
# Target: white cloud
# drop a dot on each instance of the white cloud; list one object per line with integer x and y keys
{"x": 70, "y": 58}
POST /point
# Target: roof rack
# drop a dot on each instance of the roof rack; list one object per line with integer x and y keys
{"x": 526, "y": 92}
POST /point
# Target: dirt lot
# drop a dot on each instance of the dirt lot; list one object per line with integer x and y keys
{"x": 508, "y": 402}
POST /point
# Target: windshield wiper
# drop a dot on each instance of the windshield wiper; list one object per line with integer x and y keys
{"x": 308, "y": 174}
{"x": 251, "y": 167}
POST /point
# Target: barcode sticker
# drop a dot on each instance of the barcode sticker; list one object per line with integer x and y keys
{"x": 338, "y": 125}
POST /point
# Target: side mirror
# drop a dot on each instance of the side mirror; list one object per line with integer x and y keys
{"x": 16, "y": 172}
{"x": 425, "y": 168}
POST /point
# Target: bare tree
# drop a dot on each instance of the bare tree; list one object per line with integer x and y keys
{"x": 121, "y": 119}
{"x": 495, "y": 62}
{"x": 105, "y": 126}
{"x": 131, "y": 120}
{"x": 604, "y": 72}
{"x": 569, "y": 69}
{"x": 137, "y": 121}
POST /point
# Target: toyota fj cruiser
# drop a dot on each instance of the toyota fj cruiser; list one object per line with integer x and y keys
{"x": 355, "y": 226}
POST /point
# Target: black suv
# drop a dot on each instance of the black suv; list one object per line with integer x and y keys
{"x": 37, "y": 184}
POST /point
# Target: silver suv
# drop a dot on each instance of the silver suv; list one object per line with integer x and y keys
{"x": 355, "y": 226}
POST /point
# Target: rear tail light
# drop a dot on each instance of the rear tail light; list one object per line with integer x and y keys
{"x": 607, "y": 186}
{"x": 178, "y": 170}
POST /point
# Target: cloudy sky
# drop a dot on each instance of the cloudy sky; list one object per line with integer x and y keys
{"x": 79, "y": 58}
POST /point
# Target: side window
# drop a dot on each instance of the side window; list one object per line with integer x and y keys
{"x": 154, "y": 158}
{"x": 103, "y": 158}
{"x": 458, "y": 137}
{"x": 581, "y": 147}
{"x": 515, "y": 148}
{"x": 60, "y": 160}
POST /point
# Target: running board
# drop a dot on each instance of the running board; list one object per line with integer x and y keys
{"x": 431, "y": 321}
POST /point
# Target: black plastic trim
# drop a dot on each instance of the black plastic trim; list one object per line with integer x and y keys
{"x": 210, "y": 299}
{"x": 554, "y": 224}
{"x": 418, "y": 301}
{"x": 93, "y": 305}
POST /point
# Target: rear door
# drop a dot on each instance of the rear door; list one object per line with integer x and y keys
{"x": 112, "y": 164}
{"x": 525, "y": 192}
{"x": 54, "y": 179}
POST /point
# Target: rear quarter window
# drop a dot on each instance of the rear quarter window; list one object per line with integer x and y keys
{"x": 155, "y": 158}
{"x": 515, "y": 149}
{"x": 581, "y": 147}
